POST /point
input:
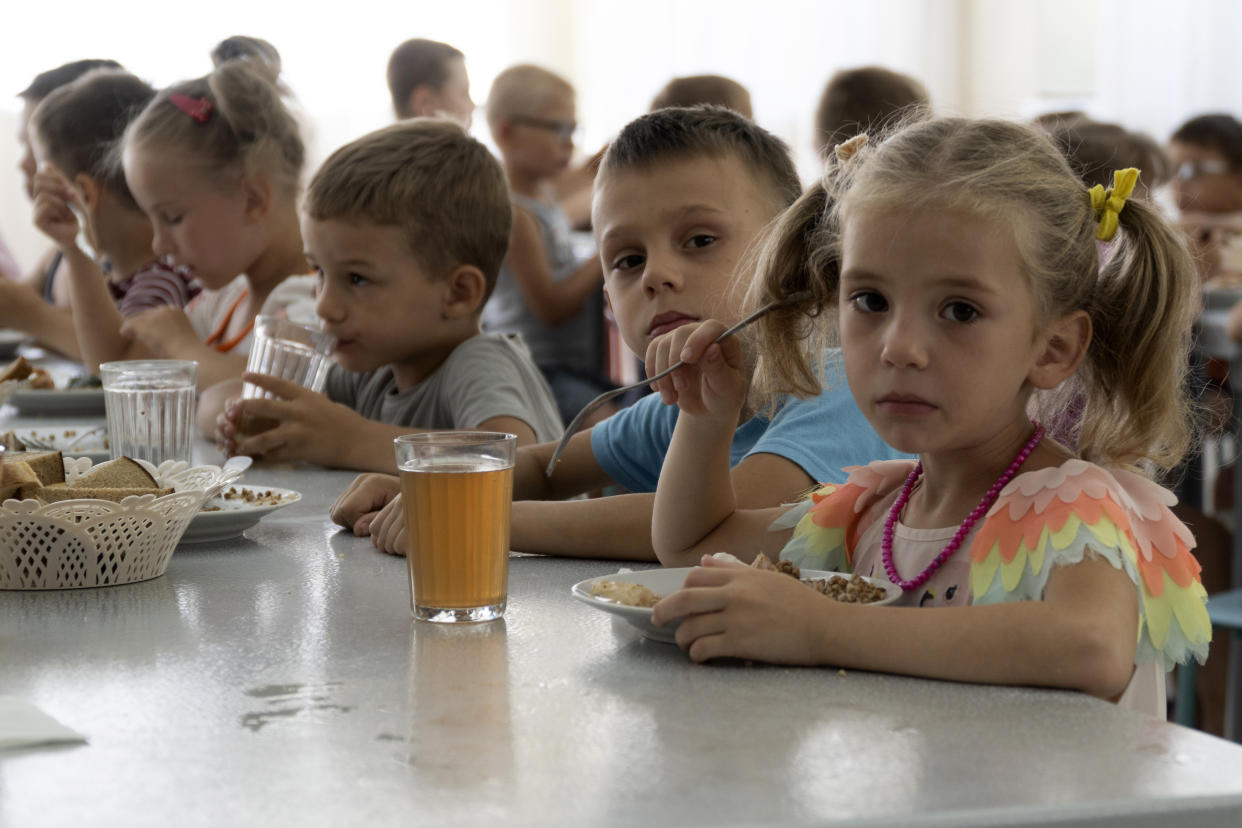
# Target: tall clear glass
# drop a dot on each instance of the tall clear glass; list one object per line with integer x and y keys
{"x": 457, "y": 487}
{"x": 288, "y": 350}
{"x": 150, "y": 405}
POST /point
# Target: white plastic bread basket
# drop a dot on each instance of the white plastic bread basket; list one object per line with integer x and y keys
{"x": 91, "y": 543}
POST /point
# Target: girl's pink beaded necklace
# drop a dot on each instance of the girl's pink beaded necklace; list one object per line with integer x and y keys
{"x": 886, "y": 543}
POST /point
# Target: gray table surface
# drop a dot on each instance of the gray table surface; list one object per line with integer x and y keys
{"x": 279, "y": 679}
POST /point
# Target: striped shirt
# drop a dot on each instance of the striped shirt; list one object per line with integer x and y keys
{"x": 155, "y": 285}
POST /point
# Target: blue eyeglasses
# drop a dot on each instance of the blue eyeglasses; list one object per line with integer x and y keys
{"x": 563, "y": 130}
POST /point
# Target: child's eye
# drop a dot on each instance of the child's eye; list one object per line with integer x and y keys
{"x": 960, "y": 312}
{"x": 170, "y": 219}
{"x": 358, "y": 279}
{"x": 869, "y": 302}
{"x": 701, "y": 240}
{"x": 628, "y": 262}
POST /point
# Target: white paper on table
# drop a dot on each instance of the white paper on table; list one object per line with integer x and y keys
{"x": 24, "y": 725}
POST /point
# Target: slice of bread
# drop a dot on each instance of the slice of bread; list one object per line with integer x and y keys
{"x": 121, "y": 473}
{"x": 18, "y": 369}
{"x": 16, "y": 478}
{"x": 48, "y": 466}
{"x": 55, "y": 494}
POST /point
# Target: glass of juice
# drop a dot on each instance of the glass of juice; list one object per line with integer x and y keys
{"x": 457, "y": 487}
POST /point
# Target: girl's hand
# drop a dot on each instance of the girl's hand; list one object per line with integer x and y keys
{"x": 310, "y": 427}
{"x": 730, "y": 610}
{"x": 713, "y": 381}
{"x": 53, "y": 207}
{"x": 165, "y": 331}
{"x": 388, "y": 532}
{"x": 359, "y": 505}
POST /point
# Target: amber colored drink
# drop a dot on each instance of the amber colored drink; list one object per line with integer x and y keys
{"x": 457, "y": 519}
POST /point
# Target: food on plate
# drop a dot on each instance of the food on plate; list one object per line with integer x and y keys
{"x": 248, "y": 497}
{"x": 17, "y": 370}
{"x": 851, "y": 590}
{"x": 40, "y": 475}
{"x": 20, "y": 370}
{"x": 625, "y": 592}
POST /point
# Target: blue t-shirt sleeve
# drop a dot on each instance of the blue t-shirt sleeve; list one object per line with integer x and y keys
{"x": 630, "y": 445}
{"x": 825, "y": 433}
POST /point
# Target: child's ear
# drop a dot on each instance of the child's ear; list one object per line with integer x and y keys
{"x": 258, "y": 192}
{"x": 464, "y": 292}
{"x": 89, "y": 191}
{"x": 1064, "y": 345}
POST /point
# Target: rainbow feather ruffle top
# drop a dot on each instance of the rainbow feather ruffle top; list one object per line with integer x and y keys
{"x": 1042, "y": 519}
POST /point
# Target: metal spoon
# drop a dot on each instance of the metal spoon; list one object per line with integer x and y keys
{"x": 616, "y": 392}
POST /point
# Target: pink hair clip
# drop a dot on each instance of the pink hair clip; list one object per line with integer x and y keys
{"x": 199, "y": 109}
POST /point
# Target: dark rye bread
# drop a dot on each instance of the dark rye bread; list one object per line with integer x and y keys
{"x": 55, "y": 494}
{"x": 48, "y": 466}
{"x": 121, "y": 473}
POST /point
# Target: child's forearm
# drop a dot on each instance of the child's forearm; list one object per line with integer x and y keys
{"x": 695, "y": 492}
{"x": 577, "y": 471}
{"x": 616, "y": 527}
{"x": 96, "y": 319}
{"x": 26, "y": 311}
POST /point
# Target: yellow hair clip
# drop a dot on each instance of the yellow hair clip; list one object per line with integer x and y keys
{"x": 1107, "y": 204}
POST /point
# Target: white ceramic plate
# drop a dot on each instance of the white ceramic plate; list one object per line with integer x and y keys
{"x": 10, "y": 340}
{"x": 232, "y": 517}
{"x": 77, "y": 401}
{"x": 58, "y": 436}
{"x": 666, "y": 581}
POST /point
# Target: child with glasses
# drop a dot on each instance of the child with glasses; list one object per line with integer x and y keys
{"x": 1206, "y": 152}
{"x": 545, "y": 292}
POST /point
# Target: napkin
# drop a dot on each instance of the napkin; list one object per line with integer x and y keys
{"x": 24, "y": 725}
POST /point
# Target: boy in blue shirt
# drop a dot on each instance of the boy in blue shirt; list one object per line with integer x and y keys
{"x": 682, "y": 196}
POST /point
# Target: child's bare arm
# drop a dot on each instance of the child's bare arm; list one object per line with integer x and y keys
{"x": 552, "y": 302}
{"x": 24, "y": 310}
{"x": 577, "y": 471}
{"x": 310, "y": 427}
{"x": 1081, "y": 636}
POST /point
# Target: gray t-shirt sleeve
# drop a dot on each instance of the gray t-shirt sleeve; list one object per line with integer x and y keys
{"x": 342, "y": 386}
{"x": 493, "y": 375}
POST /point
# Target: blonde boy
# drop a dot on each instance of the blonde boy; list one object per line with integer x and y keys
{"x": 406, "y": 228}
{"x": 682, "y": 196}
{"x": 544, "y": 293}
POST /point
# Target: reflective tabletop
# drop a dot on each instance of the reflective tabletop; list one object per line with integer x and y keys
{"x": 278, "y": 678}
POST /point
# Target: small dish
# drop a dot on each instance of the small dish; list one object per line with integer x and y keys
{"x": 76, "y": 401}
{"x": 666, "y": 581}
{"x": 71, "y": 440}
{"x": 229, "y": 514}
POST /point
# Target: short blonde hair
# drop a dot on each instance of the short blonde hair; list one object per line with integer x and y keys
{"x": 524, "y": 89}
{"x": 426, "y": 176}
{"x": 694, "y": 90}
{"x": 247, "y": 128}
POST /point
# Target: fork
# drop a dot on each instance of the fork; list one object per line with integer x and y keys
{"x": 33, "y": 441}
{"x": 616, "y": 392}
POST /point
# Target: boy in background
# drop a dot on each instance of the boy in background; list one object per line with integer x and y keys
{"x": 427, "y": 78}
{"x": 682, "y": 196}
{"x": 857, "y": 100}
{"x": 406, "y": 228}
{"x": 544, "y": 293}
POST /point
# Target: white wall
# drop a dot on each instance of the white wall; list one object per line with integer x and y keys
{"x": 1147, "y": 63}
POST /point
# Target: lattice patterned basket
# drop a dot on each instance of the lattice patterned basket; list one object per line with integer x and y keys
{"x": 90, "y": 543}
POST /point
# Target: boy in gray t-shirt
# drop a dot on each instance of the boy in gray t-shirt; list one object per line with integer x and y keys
{"x": 406, "y": 228}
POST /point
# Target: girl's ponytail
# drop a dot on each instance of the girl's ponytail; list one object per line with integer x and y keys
{"x": 234, "y": 120}
{"x": 1142, "y": 311}
{"x": 796, "y": 257}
